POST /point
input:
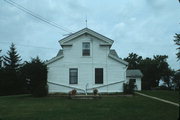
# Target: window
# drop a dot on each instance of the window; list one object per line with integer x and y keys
{"x": 98, "y": 75}
{"x": 73, "y": 76}
{"x": 86, "y": 49}
{"x": 132, "y": 80}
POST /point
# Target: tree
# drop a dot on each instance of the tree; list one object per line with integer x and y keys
{"x": 35, "y": 72}
{"x": 147, "y": 67}
{"x": 162, "y": 68}
{"x": 176, "y": 80}
{"x": 168, "y": 77}
{"x": 134, "y": 60}
{"x": 153, "y": 69}
{"x": 177, "y": 42}
{"x": 10, "y": 83}
{"x": 12, "y": 60}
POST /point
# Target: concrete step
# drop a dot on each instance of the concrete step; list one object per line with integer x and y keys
{"x": 85, "y": 96}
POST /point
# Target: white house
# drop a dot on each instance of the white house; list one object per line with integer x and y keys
{"x": 86, "y": 62}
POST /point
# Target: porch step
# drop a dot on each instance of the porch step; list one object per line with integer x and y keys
{"x": 85, "y": 96}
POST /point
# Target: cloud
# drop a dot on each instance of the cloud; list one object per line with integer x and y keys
{"x": 145, "y": 27}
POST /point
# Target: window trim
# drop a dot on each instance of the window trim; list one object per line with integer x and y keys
{"x": 70, "y": 80}
{"x": 86, "y": 49}
{"x": 101, "y": 82}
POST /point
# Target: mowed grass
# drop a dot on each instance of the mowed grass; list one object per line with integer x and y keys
{"x": 25, "y": 107}
{"x": 164, "y": 94}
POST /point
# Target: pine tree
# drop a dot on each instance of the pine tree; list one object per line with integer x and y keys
{"x": 177, "y": 42}
{"x": 12, "y": 60}
{"x": 0, "y": 60}
{"x": 10, "y": 82}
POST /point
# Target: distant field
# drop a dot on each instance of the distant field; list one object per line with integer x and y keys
{"x": 25, "y": 107}
{"x": 164, "y": 94}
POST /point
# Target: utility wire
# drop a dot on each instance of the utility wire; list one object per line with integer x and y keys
{"x": 23, "y": 45}
{"x": 37, "y": 16}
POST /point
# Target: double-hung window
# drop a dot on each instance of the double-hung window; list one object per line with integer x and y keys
{"x": 98, "y": 75}
{"x": 73, "y": 76}
{"x": 86, "y": 49}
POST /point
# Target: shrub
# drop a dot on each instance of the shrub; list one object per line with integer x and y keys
{"x": 128, "y": 88}
{"x": 74, "y": 92}
{"x": 95, "y": 91}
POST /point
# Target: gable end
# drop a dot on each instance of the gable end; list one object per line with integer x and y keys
{"x": 107, "y": 41}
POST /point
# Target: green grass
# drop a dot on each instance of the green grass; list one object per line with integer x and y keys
{"x": 110, "y": 108}
{"x": 164, "y": 94}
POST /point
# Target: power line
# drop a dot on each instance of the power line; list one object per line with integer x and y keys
{"x": 37, "y": 16}
{"x": 23, "y": 45}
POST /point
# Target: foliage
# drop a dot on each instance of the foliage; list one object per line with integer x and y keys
{"x": 128, "y": 88}
{"x": 134, "y": 60}
{"x": 177, "y": 42}
{"x": 36, "y": 72}
{"x": 95, "y": 91}
{"x": 12, "y": 60}
{"x": 9, "y": 81}
{"x": 176, "y": 80}
{"x": 153, "y": 69}
{"x": 0, "y": 60}
{"x": 31, "y": 77}
{"x": 74, "y": 92}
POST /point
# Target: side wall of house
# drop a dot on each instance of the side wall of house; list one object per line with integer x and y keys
{"x": 114, "y": 73}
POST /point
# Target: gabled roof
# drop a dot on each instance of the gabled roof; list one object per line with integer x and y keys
{"x": 58, "y": 56}
{"x": 113, "y": 52}
{"x": 108, "y": 41}
{"x": 114, "y": 55}
{"x": 134, "y": 73}
{"x": 60, "y": 52}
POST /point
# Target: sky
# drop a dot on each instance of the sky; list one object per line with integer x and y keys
{"x": 144, "y": 27}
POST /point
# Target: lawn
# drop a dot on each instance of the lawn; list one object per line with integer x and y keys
{"x": 164, "y": 94}
{"x": 25, "y": 107}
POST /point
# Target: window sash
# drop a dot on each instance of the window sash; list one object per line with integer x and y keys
{"x": 86, "y": 45}
{"x": 73, "y": 76}
{"x": 86, "y": 49}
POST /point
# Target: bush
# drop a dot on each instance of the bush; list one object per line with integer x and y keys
{"x": 40, "y": 91}
{"x": 36, "y": 72}
{"x": 128, "y": 88}
{"x": 74, "y": 92}
{"x": 95, "y": 91}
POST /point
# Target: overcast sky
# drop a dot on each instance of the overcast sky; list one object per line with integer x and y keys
{"x": 145, "y": 27}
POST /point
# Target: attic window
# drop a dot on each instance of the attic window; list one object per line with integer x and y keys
{"x": 86, "y": 49}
